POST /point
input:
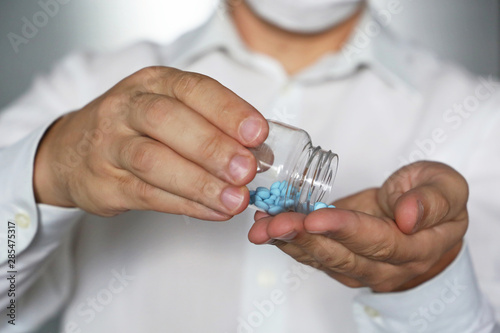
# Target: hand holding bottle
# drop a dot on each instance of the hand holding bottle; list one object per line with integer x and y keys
{"x": 161, "y": 139}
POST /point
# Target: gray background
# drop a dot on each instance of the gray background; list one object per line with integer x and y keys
{"x": 465, "y": 31}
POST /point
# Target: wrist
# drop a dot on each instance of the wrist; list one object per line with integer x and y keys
{"x": 48, "y": 172}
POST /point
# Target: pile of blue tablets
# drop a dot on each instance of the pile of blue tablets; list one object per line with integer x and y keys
{"x": 274, "y": 200}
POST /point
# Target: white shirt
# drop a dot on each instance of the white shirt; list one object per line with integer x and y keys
{"x": 378, "y": 104}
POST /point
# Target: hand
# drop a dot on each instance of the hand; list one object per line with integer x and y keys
{"x": 161, "y": 139}
{"x": 389, "y": 239}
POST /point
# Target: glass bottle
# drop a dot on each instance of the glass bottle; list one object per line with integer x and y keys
{"x": 292, "y": 174}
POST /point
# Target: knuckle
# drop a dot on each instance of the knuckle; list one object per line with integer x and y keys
{"x": 382, "y": 252}
{"x": 111, "y": 105}
{"x": 98, "y": 167}
{"x": 114, "y": 208}
{"x": 225, "y": 111}
{"x": 149, "y": 77}
{"x": 304, "y": 258}
{"x": 345, "y": 264}
{"x": 442, "y": 208}
{"x": 115, "y": 197}
{"x": 140, "y": 157}
{"x": 207, "y": 190}
{"x": 149, "y": 72}
{"x": 384, "y": 248}
{"x": 158, "y": 111}
{"x": 186, "y": 83}
{"x": 210, "y": 149}
{"x": 173, "y": 183}
{"x": 144, "y": 192}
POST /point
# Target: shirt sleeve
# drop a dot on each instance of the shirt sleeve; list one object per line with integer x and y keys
{"x": 36, "y": 243}
{"x": 32, "y": 235}
{"x": 450, "y": 302}
{"x": 43, "y": 233}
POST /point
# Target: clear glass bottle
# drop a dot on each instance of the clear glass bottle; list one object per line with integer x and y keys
{"x": 292, "y": 174}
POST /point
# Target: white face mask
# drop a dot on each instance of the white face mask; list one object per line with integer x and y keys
{"x": 304, "y": 16}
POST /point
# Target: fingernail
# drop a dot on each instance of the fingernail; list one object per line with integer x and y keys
{"x": 250, "y": 129}
{"x": 239, "y": 167}
{"x": 232, "y": 198}
{"x": 420, "y": 216}
{"x": 288, "y": 236}
{"x": 218, "y": 215}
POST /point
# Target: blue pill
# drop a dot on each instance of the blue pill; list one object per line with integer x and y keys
{"x": 276, "y": 192}
{"x": 331, "y": 206}
{"x": 264, "y": 194}
{"x": 261, "y": 188}
{"x": 283, "y": 185}
{"x": 269, "y": 201}
{"x": 275, "y": 185}
{"x": 319, "y": 205}
{"x": 283, "y": 192}
{"x": 257, "y": 198}
{"x": 262, "y": 205}
{"x": 275, "y": 210}
{"x": 252, "y": 193}
{"x": 289, "y": 202}
{"x": 273, "y": 197}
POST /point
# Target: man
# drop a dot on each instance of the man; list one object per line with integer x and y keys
{"x": 167, "y": 140}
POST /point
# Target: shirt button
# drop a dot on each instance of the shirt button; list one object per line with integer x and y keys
{"x": 22, "y": 220}
{"x": 371, "y": 312}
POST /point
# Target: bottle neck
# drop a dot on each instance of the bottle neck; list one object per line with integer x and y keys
{"x": 312, "y": 179}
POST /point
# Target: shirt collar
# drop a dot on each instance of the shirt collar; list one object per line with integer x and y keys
{"x": 216, "y": 34}
{"x": 372, "y": 45}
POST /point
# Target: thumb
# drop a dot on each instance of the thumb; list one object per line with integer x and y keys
{"x": 424, "y": 194}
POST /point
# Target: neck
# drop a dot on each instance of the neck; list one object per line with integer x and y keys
{"x": 294, "y": 51}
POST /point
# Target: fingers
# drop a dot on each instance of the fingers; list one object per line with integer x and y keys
{"x": 148, "y": 197}
{"x": 287, "y": 232}
{"x": 380, "y": 239}
{"x": 193, "y": 137}
{"x": 424, "y": 194}
{"x": 314, "y": 250}
{"x": 259, "y": 215}
{"x": 361, "y": 250}
{"x": 363, "y": 234}
{"x": 216, "y": 103}
{"x": 364, "y": 201}
{"x": 284, "y": 226}
{"x": 161, "y": 167}
{"x": 421, "y": 207}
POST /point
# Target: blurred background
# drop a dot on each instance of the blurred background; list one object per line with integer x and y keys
{"x": 465, "y": 31}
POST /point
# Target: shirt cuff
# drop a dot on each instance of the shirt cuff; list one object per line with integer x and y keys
{"x": 20, "y": 215}
{"x": 450, "y": 302}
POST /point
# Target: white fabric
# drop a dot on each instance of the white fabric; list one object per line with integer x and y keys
{"x": 305, "y": 16}
{"x": 378, "y": 106}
